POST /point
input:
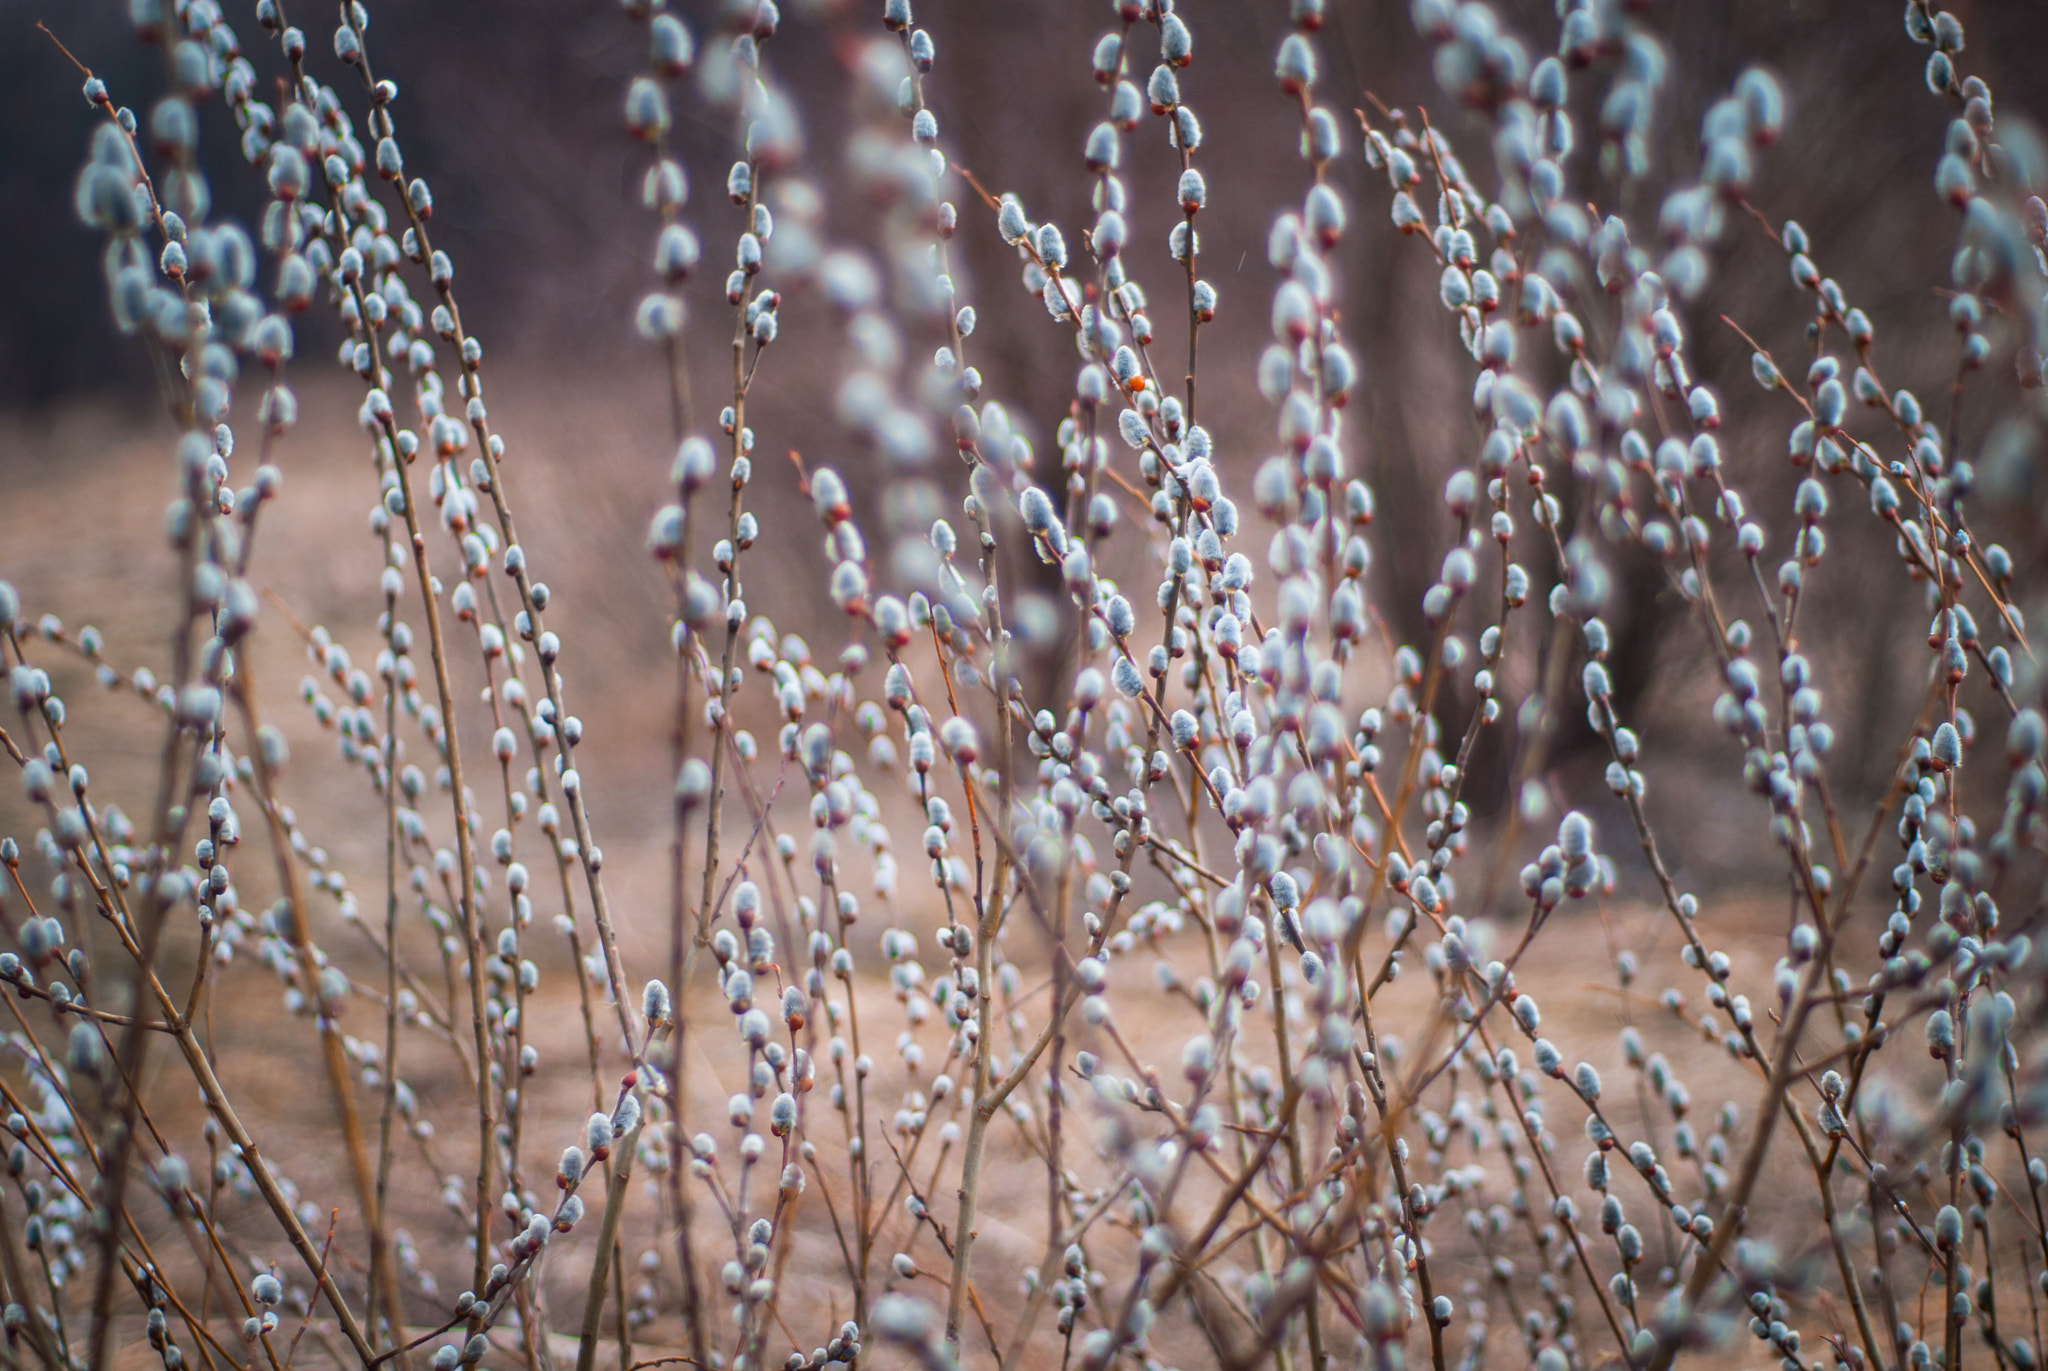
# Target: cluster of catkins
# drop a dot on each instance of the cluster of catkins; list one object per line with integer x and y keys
{"x": 1234, "y": 773}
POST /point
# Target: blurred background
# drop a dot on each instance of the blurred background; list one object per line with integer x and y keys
{"x": 512, "y": 110}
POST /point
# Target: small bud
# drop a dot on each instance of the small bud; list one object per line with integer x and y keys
{"x": 1296, "y": 67}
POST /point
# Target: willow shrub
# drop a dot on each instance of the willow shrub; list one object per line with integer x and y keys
{"x": 1236, "y": 775}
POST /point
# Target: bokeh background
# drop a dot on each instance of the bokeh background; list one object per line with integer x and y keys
{"x": 512, "y": 110}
